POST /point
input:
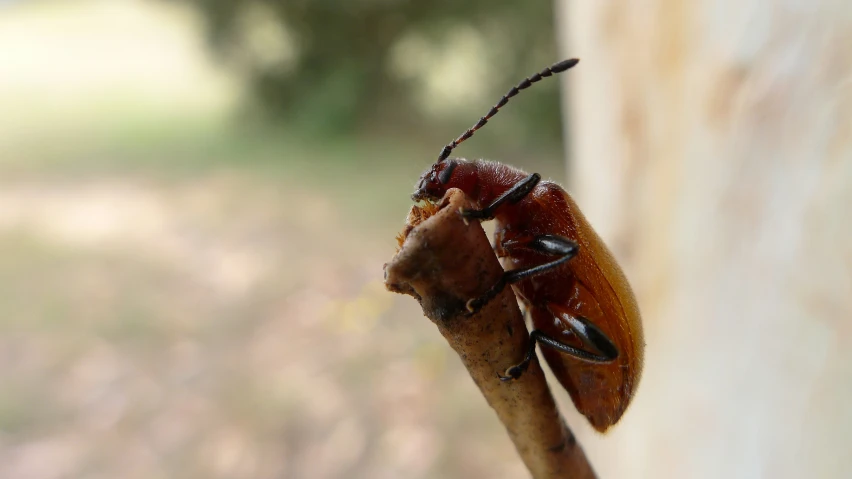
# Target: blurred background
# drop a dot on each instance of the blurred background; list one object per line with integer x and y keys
{"x": 197, "y": 198}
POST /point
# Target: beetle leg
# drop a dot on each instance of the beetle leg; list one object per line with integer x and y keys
{"x": 514, "y": 194}
{"x": 546, "y": 244}
{"x": 551, "y": 245}
{"x": 588, "y": 332}
{"x": 537, "y": 336}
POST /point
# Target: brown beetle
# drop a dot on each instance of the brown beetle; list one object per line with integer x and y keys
{"x": 583, "y": 311}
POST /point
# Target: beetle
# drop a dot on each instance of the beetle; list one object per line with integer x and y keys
{"x": 584, "y": 313}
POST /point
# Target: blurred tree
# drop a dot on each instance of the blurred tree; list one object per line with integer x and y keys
{"x": 715, "y": 156}
{"x": 333, "y": 66}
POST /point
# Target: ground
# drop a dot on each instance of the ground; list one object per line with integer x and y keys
{"x": 222, "y": 319}
{"x": 189, "y": 293}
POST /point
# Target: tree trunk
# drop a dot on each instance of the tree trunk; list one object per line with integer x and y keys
{"x": 710, "y": 144}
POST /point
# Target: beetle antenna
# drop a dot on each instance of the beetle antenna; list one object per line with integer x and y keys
{"x": 555, "y": 68}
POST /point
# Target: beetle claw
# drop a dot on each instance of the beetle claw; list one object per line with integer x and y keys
{"x": 511, "y": 374}
{"x": 469, "y": 305}
{"x": 464, "y": 218}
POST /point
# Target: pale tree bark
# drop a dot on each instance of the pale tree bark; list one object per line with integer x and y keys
{"x": 710, "y": 143}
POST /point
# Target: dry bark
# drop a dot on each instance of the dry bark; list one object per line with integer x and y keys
{"x": 445, "y": 261}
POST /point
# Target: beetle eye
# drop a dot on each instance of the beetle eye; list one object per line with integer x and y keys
{"x": 447, "y": 172}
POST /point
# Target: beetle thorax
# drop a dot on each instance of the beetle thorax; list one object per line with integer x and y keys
{"x": 494, "y": 179}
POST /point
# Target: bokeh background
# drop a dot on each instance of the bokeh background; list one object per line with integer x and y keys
{"x": 197, "y": 198}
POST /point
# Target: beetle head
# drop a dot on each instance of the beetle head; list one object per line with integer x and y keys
{"x": 457, "y": 173}
{"x": 443, "y": 175}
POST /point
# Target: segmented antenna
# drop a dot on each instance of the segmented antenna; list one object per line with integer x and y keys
{"x": 555, "y": 68}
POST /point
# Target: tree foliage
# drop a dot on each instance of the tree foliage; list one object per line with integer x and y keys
{"x": 335, "y": 71}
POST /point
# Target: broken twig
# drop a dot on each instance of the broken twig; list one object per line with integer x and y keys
{"x": 443, "y": 262}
